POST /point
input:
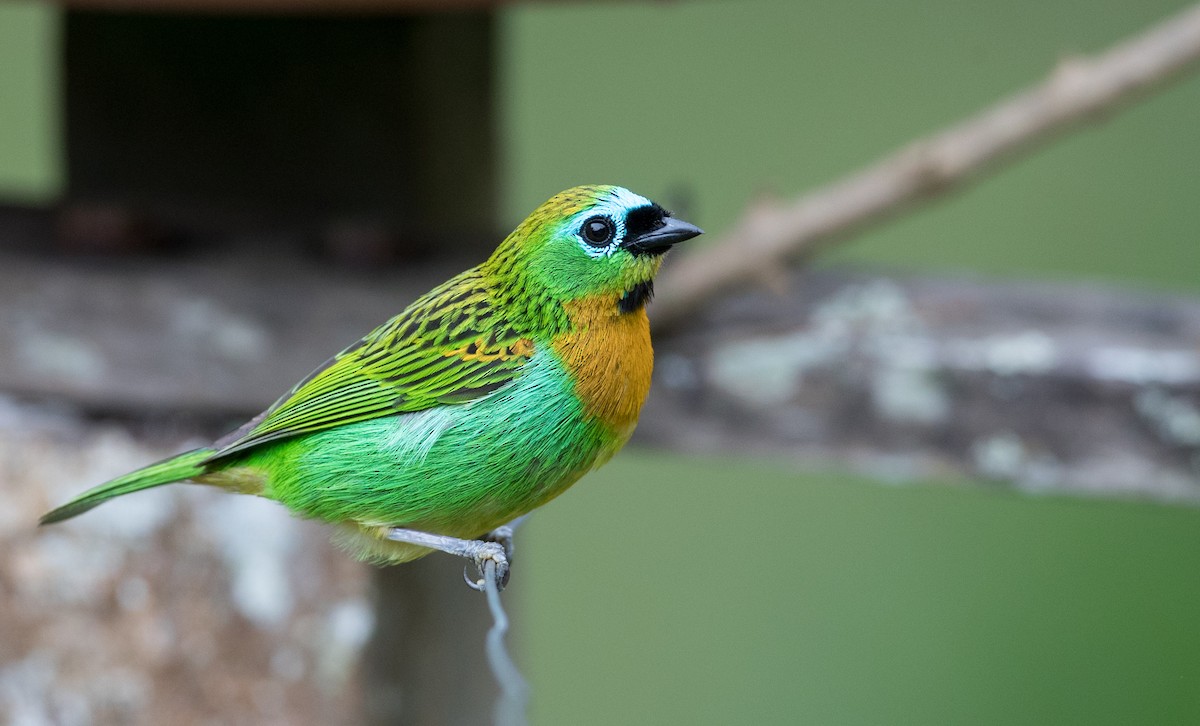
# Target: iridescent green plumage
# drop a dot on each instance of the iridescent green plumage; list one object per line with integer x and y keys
{"x": 485, "y": 398}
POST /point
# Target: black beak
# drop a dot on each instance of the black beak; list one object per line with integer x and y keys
{"x": 661, "y": 239}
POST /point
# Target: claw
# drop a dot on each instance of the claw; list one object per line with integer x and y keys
{"x": 493, "y": 552}
{"x": 476, "y": 585}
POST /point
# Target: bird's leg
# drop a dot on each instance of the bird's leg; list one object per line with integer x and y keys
{"x": 503, "y": 535}
{"x": 478, "y": 551}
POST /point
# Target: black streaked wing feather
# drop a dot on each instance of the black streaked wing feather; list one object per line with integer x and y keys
{"x": 449, "y": 347}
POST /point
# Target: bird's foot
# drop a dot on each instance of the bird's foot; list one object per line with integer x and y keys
{"x": 489, "y": 551}
{"x": 478, "y": 551}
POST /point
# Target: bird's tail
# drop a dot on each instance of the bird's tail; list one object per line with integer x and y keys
{"x": 176, "y": 468}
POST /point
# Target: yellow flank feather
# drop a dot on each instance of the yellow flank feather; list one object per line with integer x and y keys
{"x": 242, "y": 480}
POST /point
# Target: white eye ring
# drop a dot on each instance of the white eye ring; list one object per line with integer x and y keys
{"x": 598, "y": 231}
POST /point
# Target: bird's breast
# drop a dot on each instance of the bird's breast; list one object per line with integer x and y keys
{"x": 609, "y": 357}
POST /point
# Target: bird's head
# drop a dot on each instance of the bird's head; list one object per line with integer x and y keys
{"x": 592, "y": 240}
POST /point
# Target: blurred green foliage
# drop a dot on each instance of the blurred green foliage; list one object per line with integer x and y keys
{"x": 30, "y": 146}
{"x": 663, "y": 591}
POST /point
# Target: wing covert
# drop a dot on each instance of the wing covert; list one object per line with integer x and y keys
{"x": 449, "y": 347}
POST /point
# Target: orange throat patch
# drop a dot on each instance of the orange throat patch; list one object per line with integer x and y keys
{"x": 608, "y": 354}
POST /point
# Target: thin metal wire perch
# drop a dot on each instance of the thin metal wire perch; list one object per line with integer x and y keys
{"x": 514, "y": 693}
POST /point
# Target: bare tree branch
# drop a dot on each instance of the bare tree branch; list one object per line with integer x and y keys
{"x": 1048, "y": 388}
{"x": 1079, "y": 90}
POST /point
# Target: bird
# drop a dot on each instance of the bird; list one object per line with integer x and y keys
{"x": 484, "y": 399}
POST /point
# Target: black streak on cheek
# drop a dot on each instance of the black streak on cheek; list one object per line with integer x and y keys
{"x": 636, "y": 297}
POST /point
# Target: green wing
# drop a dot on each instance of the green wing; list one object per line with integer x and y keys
{"x": 448, "y": 347}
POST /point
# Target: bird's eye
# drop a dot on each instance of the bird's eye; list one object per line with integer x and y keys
{"x": 598, "y": 231}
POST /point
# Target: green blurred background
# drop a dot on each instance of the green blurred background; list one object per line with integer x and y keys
{"x": 676, "y": 590}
